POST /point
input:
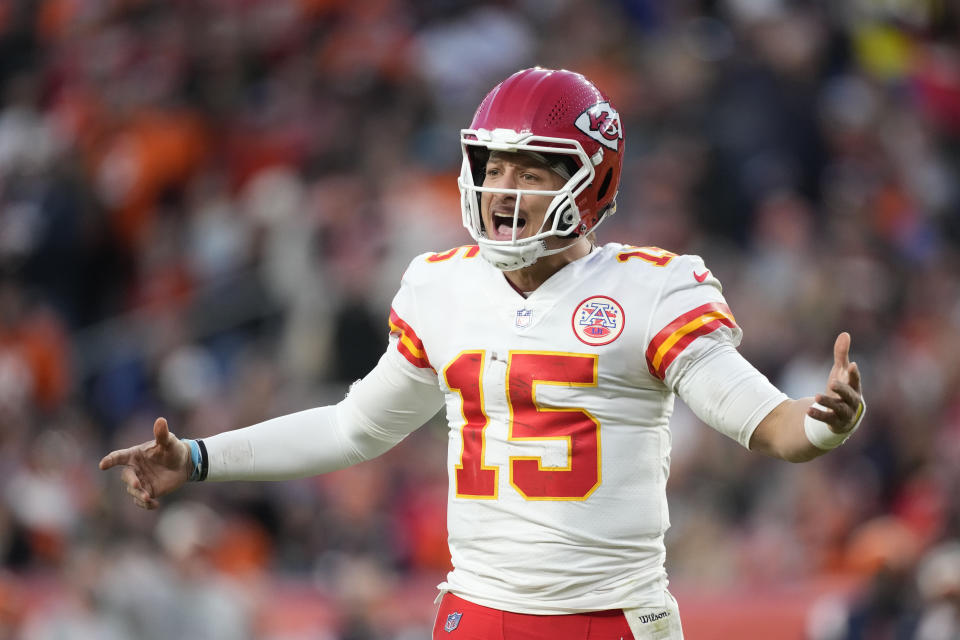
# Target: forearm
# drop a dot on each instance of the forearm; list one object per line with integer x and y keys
{"x": 379, "y": 412}
{"x": 781, "y": 433}
{"x": 292, "y": 446}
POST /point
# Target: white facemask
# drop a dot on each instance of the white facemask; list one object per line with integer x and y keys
{"x": 562, "y": 217}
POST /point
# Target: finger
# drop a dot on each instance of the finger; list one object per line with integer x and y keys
{"x": 829, "y": 417}
{"x": 137, "y": 494}
{"x": 854, "y": 376}
{"x": 112, "y": 459}
{"x": 148, "y": 504}
{"x": 134, "y": 487}
{"x": 841, "y": 350}
{"x": 161, "y": 432}
{"x": 129, "y": 477}
{"x": 823, "y": 415}
{"x": 846, "y": 393}
{"x": 841, "y": 412}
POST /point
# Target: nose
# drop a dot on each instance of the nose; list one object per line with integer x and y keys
{"x": 510, "y": 178}
{"x": 507, "y": 180}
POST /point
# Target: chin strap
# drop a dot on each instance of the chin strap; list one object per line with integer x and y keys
{"x": 511, "y": 258}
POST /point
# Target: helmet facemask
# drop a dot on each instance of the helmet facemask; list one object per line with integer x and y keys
{"x": 562, "y": 219}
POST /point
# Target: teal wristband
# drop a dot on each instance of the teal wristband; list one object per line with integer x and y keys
{"x": 195, "y": 459}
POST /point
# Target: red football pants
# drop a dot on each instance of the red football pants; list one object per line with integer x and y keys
{"x": 459, "y": 619}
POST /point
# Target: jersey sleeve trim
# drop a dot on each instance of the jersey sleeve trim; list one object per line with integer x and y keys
{"x": 469, "y": 251}
{"x": 676, "y": 336}
{"x": 409, "y": 345}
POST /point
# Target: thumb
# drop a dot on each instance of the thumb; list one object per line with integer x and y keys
{"x": 161, "y": 432}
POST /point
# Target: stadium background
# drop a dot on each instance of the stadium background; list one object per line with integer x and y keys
{"x": 205, "y": 207}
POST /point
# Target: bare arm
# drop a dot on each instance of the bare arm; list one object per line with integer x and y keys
{"x": 781, "y": 433}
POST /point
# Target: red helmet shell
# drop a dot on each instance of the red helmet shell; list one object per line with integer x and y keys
{"x": 563, "y": 104}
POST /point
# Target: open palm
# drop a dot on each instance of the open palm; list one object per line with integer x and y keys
{"x": 154, "y": 468}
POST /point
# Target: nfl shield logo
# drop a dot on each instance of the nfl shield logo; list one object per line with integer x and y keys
{"x": 453, "y": 621}
{"x": 523, "y": 317}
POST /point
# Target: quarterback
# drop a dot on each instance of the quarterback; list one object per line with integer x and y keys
{"x": 556, "y": 361}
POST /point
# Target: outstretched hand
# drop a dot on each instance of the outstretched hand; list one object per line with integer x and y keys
{"x": 154, "y": 468}
{"x": 843, "y": 398}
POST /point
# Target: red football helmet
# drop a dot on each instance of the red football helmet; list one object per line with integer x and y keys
{"x": 557, "y": 114}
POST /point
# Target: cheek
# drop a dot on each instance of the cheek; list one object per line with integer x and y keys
{"x": 485, "y": 202}
{"x": 538, "y": 209}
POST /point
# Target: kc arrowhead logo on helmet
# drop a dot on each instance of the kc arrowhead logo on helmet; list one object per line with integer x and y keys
{"x": 602, "y": 123}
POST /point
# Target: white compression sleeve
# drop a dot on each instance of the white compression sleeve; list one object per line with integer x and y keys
{"x": 380, "y": 411}
{"x": 727, "y": 392}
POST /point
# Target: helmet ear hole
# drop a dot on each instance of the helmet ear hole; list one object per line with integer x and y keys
{"x": 605, "y": 184}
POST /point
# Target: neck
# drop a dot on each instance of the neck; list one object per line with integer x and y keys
{"x": 528, "y": 279}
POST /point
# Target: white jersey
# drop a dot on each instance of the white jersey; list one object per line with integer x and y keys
{"x": 558, "y": 407}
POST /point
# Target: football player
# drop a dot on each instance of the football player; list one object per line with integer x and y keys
{"x": 557, "y": 361}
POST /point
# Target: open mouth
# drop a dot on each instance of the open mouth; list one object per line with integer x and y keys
{"x": 503, "y": 226}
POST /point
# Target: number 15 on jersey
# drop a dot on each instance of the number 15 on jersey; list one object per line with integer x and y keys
{"x": 478, "y": 477}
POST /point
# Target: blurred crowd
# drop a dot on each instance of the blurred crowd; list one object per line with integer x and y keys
{"x": 205, "y": 208}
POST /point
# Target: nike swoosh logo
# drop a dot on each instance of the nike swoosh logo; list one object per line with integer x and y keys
{"x": 700, "y": 277}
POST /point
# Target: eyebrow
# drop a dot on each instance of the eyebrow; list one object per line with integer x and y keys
{"x": 520, "y": 159}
